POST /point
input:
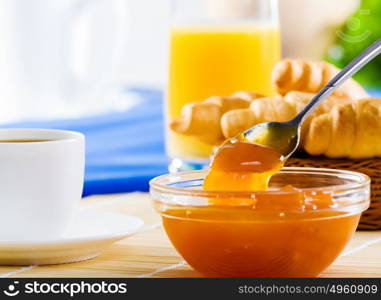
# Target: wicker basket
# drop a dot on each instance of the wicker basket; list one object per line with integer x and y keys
{"x": 371, "y": 219}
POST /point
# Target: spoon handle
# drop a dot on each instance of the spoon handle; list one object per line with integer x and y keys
{"x": 358, "y": 63}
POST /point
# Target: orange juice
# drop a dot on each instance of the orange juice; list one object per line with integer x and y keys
{"x": 207, "y": 60}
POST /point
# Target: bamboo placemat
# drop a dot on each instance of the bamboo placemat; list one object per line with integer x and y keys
{"x": 150, "y": 254}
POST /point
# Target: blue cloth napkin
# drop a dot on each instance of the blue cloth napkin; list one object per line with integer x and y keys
{"x": 123, "y": 150}
{"x": 375, "y": 93}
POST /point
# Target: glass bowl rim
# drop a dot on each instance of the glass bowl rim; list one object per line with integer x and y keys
{"x": 363, "y": 182}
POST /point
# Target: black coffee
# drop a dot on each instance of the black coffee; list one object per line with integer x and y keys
{"x": 24, "y": 141}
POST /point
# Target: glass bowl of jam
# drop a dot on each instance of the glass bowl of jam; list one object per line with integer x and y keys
{"x": 296, "y": 228}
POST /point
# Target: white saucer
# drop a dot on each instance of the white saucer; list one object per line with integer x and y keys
{"x": 86, "y": 236}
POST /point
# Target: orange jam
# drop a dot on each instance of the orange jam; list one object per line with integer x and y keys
{"x": 239, "y": 242}
{"x": 241, "y": 166}
{"x": 285, "y": 233}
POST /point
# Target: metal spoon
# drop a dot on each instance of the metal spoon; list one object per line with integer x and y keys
{"x": 285, "y": 136}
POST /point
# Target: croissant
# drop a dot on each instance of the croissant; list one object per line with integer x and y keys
{"x": 196, "y": 117}
{"x": 202, "y": 119}
{"x": 351, "y": 130}
{"x": 342, "y": 126}
{"x": 310, "y": 77}
{"x": 218, "y": 118}
{"x": 279, "y": 109}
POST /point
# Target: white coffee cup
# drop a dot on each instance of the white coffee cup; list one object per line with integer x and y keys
{"x": 40, "y": 182}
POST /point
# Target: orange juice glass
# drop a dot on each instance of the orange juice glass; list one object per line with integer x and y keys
{"x": 278, "y": 233}
{"x": 217, "y": 47}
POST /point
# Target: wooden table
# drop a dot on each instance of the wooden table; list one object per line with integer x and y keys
{"x": 150, "y": 254}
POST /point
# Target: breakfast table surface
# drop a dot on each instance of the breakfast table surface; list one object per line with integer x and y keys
{"x": 149, "y": 253}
